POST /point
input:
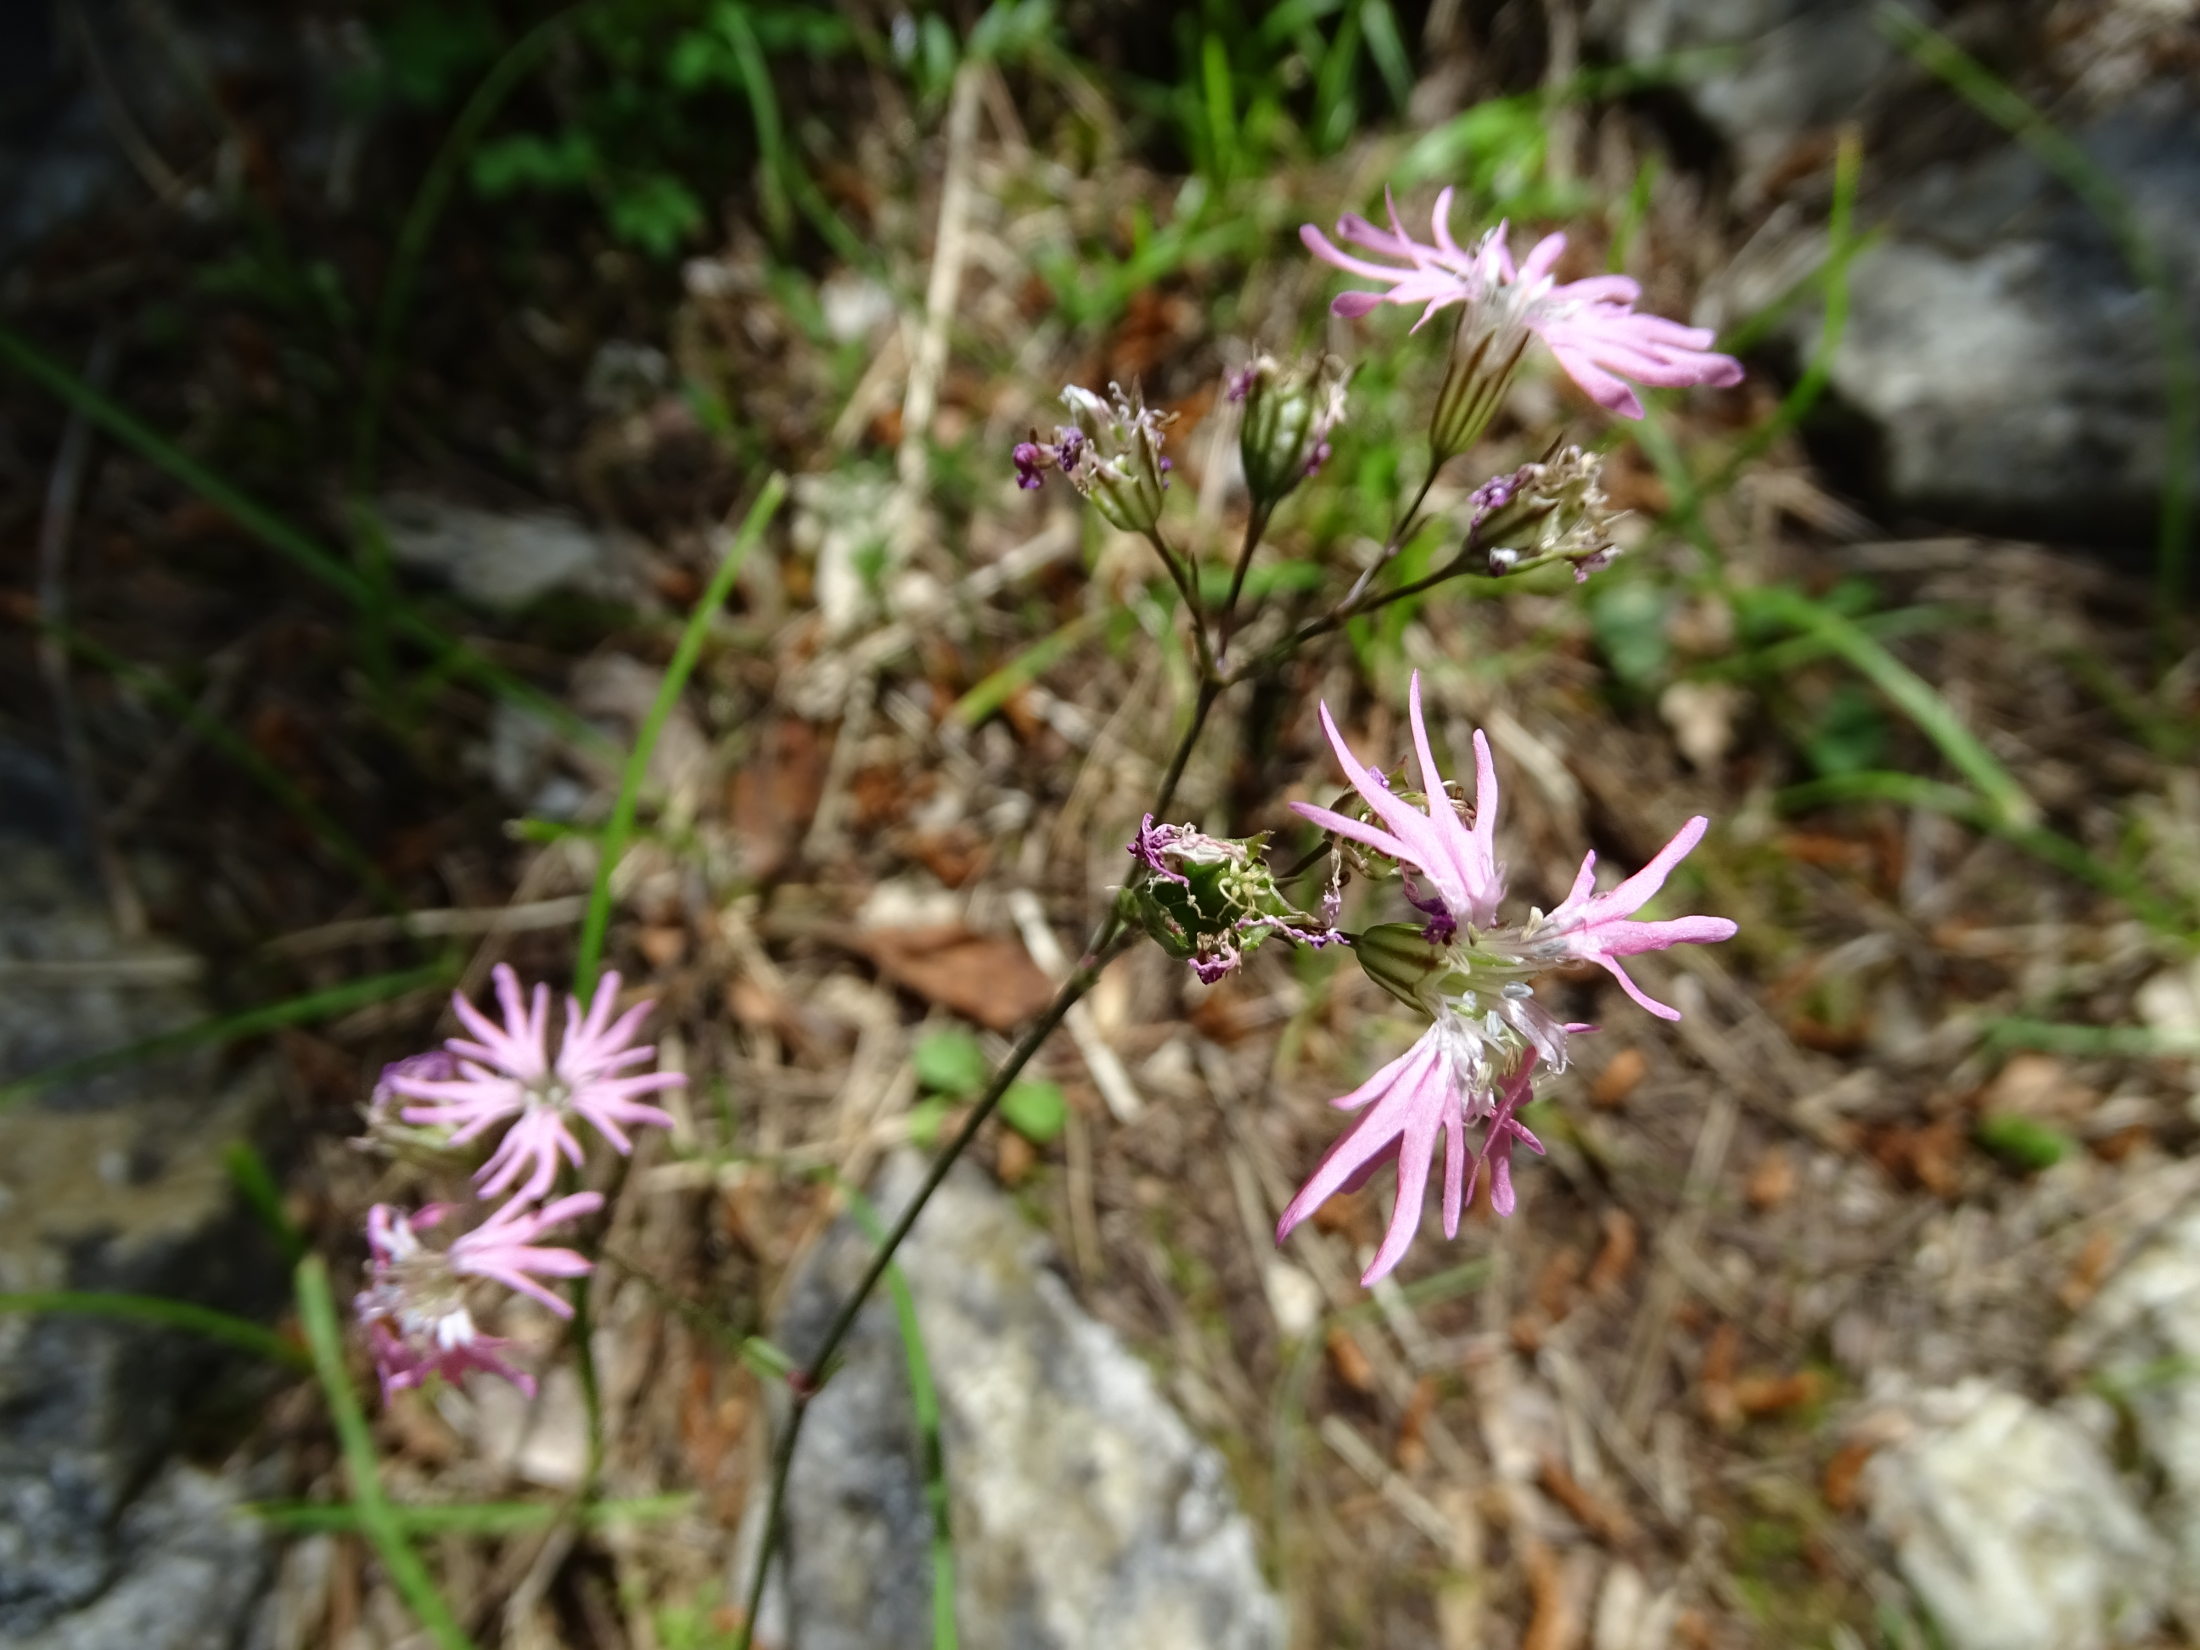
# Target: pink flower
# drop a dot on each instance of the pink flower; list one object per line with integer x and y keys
{"x": 1431, "y": 1090}
{"x": 1472, "y": 976}
{"x": 1457, "y": 863}
{"x": 1590, "y": 325}
{"x": 1594, "y": 927}
{"x": 414, "y": 1306}
{"x": 505, "y": 1073}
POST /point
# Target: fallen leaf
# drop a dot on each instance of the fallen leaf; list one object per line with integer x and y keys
{"x": 1771, "y": 1394}
{"x": 774, "y": 795}
{"x": 988, "y": 978}
{"x": 1772, "y": 1181}
{"x": 1348, "y": 1360}
{"x": 1843, "y": 1474}
{"x": 1616, "y": 1259}
{"x": 1412, "y": 1452}
{"x": 1619, "y": 1078}
{"x": 2083, "y": 1280}
{"x": 1599, "y": 1515}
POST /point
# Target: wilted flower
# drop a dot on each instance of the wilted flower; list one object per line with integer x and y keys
{"x": 1209, "y": 900}
{"x": 1590, "y": 325}
{"x": 1111, "y": 453}
{"x": 414, "y": 1306}
{"x": 1289, "y": 412}
{"x": 506, "y": 1073}
{"x": 1474, "y": 978}
{"x": 1551, "y": 510}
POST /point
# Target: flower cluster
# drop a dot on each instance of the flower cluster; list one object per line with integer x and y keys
{"x": 1472, "y": 975}
{"x": 1590, "y": 326}
{"x": 414, "y": 1306}
{"x": 1111, "y": 453}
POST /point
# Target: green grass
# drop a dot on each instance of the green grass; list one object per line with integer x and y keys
{"x": 308, "y": 1009}
{"x": 378, "y": 1521}
{"x": 155, "y": 1311}
{"x": 635, "y": 773}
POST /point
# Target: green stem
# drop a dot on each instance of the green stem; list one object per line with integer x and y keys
{"x": 810, "y": 1380}
{"x": 1114, "y": 933}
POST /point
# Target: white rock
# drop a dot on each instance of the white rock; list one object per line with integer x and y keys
{"x": 2011, "y": 1525}
{"x": 1085, "y": 1513}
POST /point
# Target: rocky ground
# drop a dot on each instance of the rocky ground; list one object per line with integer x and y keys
{"x": 1855, "y": 1308}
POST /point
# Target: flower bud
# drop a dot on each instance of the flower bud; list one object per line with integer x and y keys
{"x": 1112, "y": 453}
{"x": 1209, "y": 900}
{"x": 1289, "y": 412}
{"x": 1551, "y": 510}
{"x": 1404, "y": 961}
{"x": 1485, "y": 359}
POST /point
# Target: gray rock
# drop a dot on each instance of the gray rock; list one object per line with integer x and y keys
{"x": 113, "y": 1184}
{"x": 2139, "y": 1338}
{"x": 1084, "y": 1511}
{"x": 1774, "y": 71}
{"x": 2004, "y": 353}
{"x": 500, "y": 561}
{"x": 2011, "y": 1525}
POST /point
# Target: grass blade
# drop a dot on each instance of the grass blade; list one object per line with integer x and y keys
{"x": 286, "y": 540}
{"x": 378, "y": 1520}
{"x": 1911, "y": 790}
{"x": 690, "y": 647}
{"x": 162, "y": 1313}
{"x": 2052, "y": 1037}
{"x": 251, "y": 1022}
{"x": 486, "y": 1518}
{"x": 1911, "y": 693}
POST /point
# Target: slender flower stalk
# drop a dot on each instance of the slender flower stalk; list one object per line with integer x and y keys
{"x": 1473, "y": 976}
{"x": 506, "y": 1075}
{"x": 1590, "y": 326}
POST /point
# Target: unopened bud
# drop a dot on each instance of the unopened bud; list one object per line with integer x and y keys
{"x": 1117, "y": 461}
{"x": 1485, "y": 359}
{"x": 1404, "y": 961}
{"x": 1289, "y": 412}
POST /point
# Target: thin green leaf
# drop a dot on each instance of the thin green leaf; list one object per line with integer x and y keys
{"x": 378, "y": 1521}
{"x": 689, "y": 648}
{"x": 470, "y": 1518}
{"x": 228, "y": 1028}
{"x": 1911, "y": 790}
{"x": 2053, "y": 1037}
{"x": 2000, "y": 103}
{"x": 1912, "y": 695}
{"x": 162, "y": 1313}
{"x": 278, "y": 535}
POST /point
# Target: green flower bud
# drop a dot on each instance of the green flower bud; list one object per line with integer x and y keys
{"x": 1289, "y": 412}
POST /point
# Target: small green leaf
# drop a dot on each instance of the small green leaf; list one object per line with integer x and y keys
{"x": 2022, "y": 1142}
{"x": 771, "y": 1361}
{"x": 926, "y": 1118}
{"x": 949, "y": 1061}
{"x": 1035, "y": 1109}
